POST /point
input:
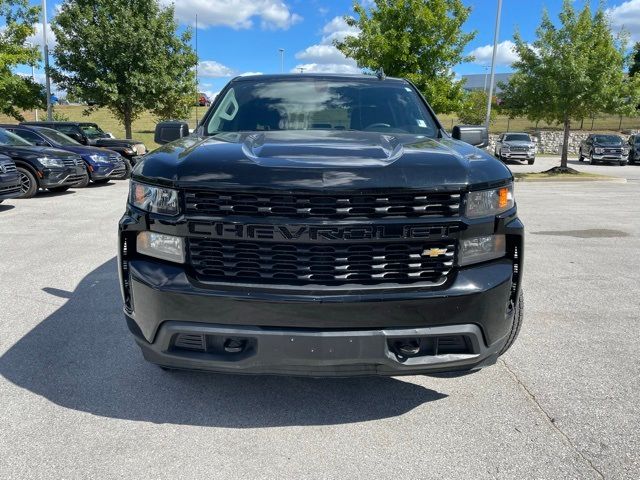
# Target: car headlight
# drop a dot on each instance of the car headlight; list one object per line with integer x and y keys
{"x": 100, "y": 158}
{"x": 625, "y": 151}
{"x": 51, "y": 162}
{"x": 154, "y": 199}
{"x": 481, "y": 249}
{"x": 598, "y": 150}
{"x": 484, "y": 203}
{"x": 159, "y": 245}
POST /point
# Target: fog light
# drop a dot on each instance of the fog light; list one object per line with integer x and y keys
{"x": 159, "y": 245}
{"x": 481, "y": 249}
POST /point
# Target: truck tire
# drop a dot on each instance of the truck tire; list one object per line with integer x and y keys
{"x": 28, "y": 183}
{"x": 518, "y": 315}
{"x": 591, "y": 160}
{"x": 530, "y": 162}
{"x": 622, "y": 164}
{"x": 59, "y": 189}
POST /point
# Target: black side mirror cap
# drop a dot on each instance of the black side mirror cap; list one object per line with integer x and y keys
{"x": 167, "y": 132}
{"x": 475, "y": 135}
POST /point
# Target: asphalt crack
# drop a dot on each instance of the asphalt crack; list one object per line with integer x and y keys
{"x": 551, "y": 421}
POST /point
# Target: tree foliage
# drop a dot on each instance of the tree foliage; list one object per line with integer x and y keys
{"x": 570, "y": 71}
{"x": 634, "y": 68}
{"x": 421, "y": 40}
{"x": 17, "y": 92}
{"x": 125, "y": 55}
{"x": 473, "y": 110}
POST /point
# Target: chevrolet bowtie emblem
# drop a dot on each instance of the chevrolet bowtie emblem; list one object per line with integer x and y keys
{"x": 433, "y": 252}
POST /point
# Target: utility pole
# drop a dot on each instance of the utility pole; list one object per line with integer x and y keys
{"x": 281, "y": 50}
{"x": 493, "y": 62}
{"x": 197, "y": 79}
{"x": 46, "y": 60}
{"x": 486, "y": 73}
{"x": 33, "y": 73}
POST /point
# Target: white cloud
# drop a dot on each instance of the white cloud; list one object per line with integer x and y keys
{"x": 238, "y": 14}
{"x": 36, "y": 38}
{"x": 324, "y": 57}
{"x": 505, "y": 55}
{"x": 213, "y": 69}
{"x": 247, "y": 74}
{"x": 626, "y": 16}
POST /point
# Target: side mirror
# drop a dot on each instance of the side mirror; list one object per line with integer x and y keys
{"x": 170, "y": 130}
{"x": 475, "y": 135}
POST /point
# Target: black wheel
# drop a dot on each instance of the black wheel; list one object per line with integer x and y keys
{"x": 59, "y": 189}
{"x": 591, "y": 160}
{"x": 82, "y": 183}
{"x": 581, "y": 158}
{"x": 28, "y": 183}
{"x": 127, "y": 173}
{"x": 517, "y": 313}
{"x": 530, "y": 162}
{"x": 622, "y": 164}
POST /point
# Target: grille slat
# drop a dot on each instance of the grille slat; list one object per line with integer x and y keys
{"x": 329, "y": 206}
{"x": 225, "y": 260}
{"x": 9, "y": 167}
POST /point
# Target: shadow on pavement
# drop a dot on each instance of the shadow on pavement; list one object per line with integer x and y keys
{"x": 82, "y": 357}
{"x": 5, "y": 207}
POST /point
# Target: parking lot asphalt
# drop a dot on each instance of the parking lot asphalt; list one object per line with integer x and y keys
{"x": 78, "y": 401}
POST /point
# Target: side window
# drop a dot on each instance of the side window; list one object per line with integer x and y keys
{"x": 29, "y": 136}
{"x": 67, "y": 129}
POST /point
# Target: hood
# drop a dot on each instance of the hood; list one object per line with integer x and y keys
{"x": 34, "y": 151}
{"x": 300, "y": 160}
{"x": 614, "y": 143}
{"x": 113, "y": 142}
{"x": 85, "y": 150}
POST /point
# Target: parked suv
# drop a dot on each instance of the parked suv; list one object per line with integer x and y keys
{"x": 88, "y": 133}
{"x": 321, "y": 225}
{"x": 102, "y": 164}
{"x": 42, "y": 167}
{"x": 634, "y": 149}
{"x": 516, "y": 146}
{"x": 9, "y": 179}
{"x": 598, "y": 147}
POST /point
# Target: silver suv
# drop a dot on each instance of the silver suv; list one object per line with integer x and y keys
{"x": 515, "y": 146}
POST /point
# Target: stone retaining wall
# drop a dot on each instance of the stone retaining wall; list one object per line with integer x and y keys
{"x": 550, "y": 141}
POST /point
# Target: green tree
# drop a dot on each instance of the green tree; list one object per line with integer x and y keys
{"x": 421, "y": 40}
{"x": 571, "y": 71}
{"x": 635, "y": 60}
{"x": 473, "y": 110}
{"x": 125, "y": 55}
{"x": 17, "y": 92}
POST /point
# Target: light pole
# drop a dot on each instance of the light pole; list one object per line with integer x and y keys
{"x": 33, "y": 72}
{"x": 46, "y": 59}
{"x": 493, "y": 62}
{"x": 486, "y": 72}
{"x": 281, "y": 50}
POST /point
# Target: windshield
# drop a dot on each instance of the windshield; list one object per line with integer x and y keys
{"x": 91, "y": 130}
{"x": 607, "y": 139}
{"x": 517, "y": 137}
{"x": 321, "y": 104}
{"x": 57, "y": 137}
{"x": 8, "y": 138}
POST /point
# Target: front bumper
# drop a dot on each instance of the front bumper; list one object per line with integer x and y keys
{"x": 104, "y": 172}
{"x": 609, "y": 158}
{"x": 519, "y": 155}
{"x": 62, "y": 177}
{"x": 9, "y": 185}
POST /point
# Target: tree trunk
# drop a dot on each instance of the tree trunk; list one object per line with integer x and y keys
{"x": 581, "y": 123}
{"x": 565, "y": 143}
{"x": 127, "y": 125}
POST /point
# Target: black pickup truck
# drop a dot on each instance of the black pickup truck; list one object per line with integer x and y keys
{"x": 321, "y": 225}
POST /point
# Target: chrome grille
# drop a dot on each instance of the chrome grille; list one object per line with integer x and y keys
{"x": 72, "y": 161}
{"x": 305, "y": 263}
{"x": 9, "y": 167}
{"x": 333, "y": 206}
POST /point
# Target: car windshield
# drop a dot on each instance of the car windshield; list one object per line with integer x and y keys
{"x": 517, "y": 137}
{"x": 57, "y": 137}
{"x": 8, "y": 138}
{"x": 92, "y": 130}
{"x": 321, "y": 104}
{"x": 607, "y": 139}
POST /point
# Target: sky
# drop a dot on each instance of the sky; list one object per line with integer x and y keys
{"x": 237, "y": 37}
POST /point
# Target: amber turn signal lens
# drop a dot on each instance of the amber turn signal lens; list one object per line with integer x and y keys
{"x": 503, "y": 197}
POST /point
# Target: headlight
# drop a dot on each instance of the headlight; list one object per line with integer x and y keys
{"x": 154, "y": 199}
{"x": 484, "y": 203}
{"x": 481, "y": 249}
{"x": 159, "y": 245}
{"x": 625, "y": 151}
{"x": 51, "y": 162}
{"x": 506, "y": 147}
{"x": 100, "y": 158}
{"x": 598, "y": 150}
